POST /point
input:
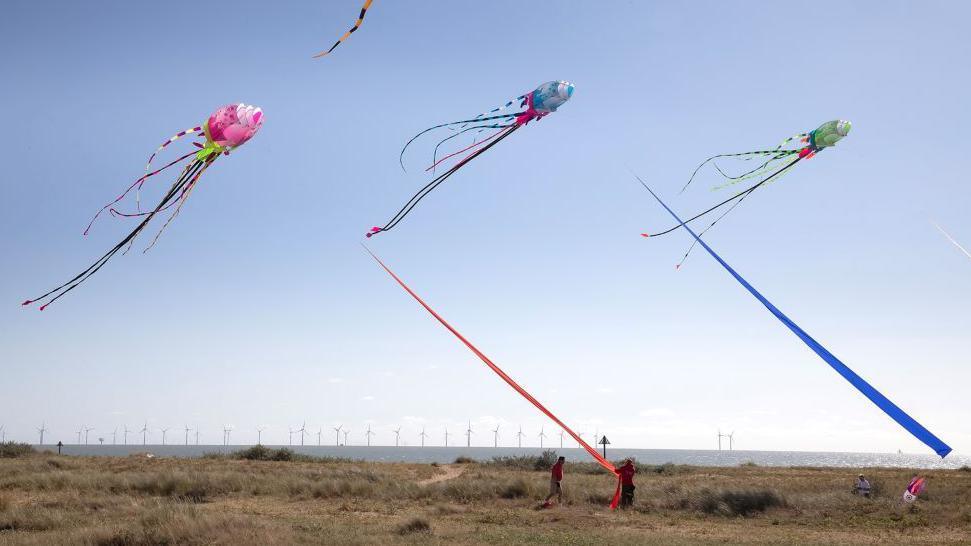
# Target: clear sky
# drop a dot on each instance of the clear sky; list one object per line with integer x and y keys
{"x": 259, "y": 307}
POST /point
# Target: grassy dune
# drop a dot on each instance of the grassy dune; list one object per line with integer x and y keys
{"x": 46, "y": 499}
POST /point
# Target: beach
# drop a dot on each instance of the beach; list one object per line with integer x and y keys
{"x": 49, "y": 499}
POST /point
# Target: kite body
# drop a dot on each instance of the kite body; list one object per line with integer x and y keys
{"x": 226, "y": 129}
{"x": 828, "y": 134}
{"x": 551, "y": 95}
{"x": 914, "y": 489}
{"x": 774, "y": 163}
{"x": 536, "y": 104}
{"x": 233, "y": 125}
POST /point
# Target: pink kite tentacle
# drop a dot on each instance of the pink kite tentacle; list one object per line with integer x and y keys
{"x": 185, "y": 196}
{"x": 467, "y": 148}
{"x": 130, "y": 188}
{"x": 530, "y": 113}
{"x": 173, "y": 138}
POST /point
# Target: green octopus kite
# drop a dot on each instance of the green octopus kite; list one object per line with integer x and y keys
{"x": 774, "y": 163}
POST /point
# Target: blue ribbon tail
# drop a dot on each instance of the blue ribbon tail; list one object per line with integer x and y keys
{"x": 882, "y": 402}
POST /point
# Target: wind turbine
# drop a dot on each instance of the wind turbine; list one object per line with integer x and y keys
{"x": 320, "y": 431}
{"x": 86, "y": 431}
{"x": 422, "y": 435}
{"x": 42, "y": 430}
{"x": 397, "y": 435}
{"x": 519, "y": 436}
{"x": 731, "y": 440}
{"x": 337, "y": 430}
{"x": 114, "y": 436}
{"x": 720, "y": 436}
{"x": 187, "y": 429}
{"x": 3, "y": 435}
{"x": 561, "y": 439}
{"x": 446, "y": 436}
{"x": 541, "y": 437}
{"x": 368, "y": 435}
{"x": 197, "y": 434}
{"x": 259, "y": 435}
{"x": 468, "y": 435}
{"x": 290, "y": 441}
{"x": 346, "y": 432}
{"x": 495, "y": 436}
{"x": 144, "y": 432}
{"x": 79, "y": 434}
{"x": 164, "y": 432}
{"x": 302, "y": 431}
{"x": 126, "y": 434}
{"x": 226, "y": 430}
{"x": 580, "y": 436}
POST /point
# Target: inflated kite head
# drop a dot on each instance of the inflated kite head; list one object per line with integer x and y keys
{"x": 232, "y": 125}
{"x": 551, "y": 95}
{"x": 830, "y": 133}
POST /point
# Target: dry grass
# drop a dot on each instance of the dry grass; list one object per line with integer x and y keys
{"x": 136, "y": 501}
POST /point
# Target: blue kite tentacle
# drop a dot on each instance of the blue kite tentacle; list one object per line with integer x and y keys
{"x": 476, "y": 120}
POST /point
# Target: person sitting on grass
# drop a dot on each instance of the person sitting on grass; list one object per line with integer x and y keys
{"x": 626, "y": 474}
{"x": 556, "y": 476}
{"x": 862, "y": 486}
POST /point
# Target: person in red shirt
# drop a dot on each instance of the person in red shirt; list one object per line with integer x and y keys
{"x": 626, "y": 473}
{"x": 556, "y": 476}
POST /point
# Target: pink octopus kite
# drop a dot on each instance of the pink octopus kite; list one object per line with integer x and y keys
{"x": 225, "y": 130}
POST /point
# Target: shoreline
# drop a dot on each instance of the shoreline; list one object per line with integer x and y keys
{"x": 444, "y": 455}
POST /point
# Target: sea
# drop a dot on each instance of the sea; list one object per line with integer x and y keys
{"x": 442, "y": 455}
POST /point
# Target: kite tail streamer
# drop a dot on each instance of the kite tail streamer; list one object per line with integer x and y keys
{"x": 357, "y": 25}
{"x": 881, "y": 401}
{"x": 478, "y": 128}
{"x": 467, "y": 148}
{"x": 187, "y": 174}
{"x": 435, "y": 183}
{"x": 173, "y": 138}
{"x": 130, "y": 188}
{"x": 521, "y": 99}
{"x": 509, "y": 381}
{"x": 740, "y": 195}
{"x": 401, "y": 155}
{"x": 184, "y": 197}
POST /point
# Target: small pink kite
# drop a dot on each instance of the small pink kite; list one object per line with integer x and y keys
{"x": 914, "y": 489}
{"x": 226, "y": 129}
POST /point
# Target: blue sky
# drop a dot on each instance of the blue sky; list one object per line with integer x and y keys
{"x": 259, "y": 307}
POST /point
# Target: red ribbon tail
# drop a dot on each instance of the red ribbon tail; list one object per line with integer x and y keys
{"x": 616, "y": 501}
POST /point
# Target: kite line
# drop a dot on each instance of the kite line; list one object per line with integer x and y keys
{"x": 949, "y": 238}
{"x": 510, "y": 381}
{"x": 882, "y": 402}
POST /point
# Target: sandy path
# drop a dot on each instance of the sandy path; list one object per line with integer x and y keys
{"x": 451, "y": 471}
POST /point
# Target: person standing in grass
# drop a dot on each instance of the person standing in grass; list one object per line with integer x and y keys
{"x": 626, "y": 473}
{"x": 862, "y": 486}
{"x": 556, "y": 476}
